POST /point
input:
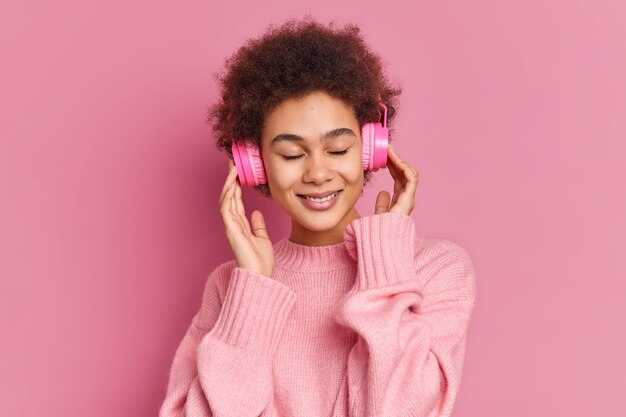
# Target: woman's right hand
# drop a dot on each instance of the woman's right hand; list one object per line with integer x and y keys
{"x": 252, "y": 246}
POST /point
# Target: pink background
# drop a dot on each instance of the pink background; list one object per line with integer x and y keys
{"x": 513, "y": 114}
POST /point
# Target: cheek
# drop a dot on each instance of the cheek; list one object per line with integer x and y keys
{"x": 353, "y": 171}
{"x": 279, "y": 176}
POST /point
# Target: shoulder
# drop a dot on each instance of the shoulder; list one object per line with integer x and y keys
{"x": 438, "y": 248}
{"x": 446, "y": 265}
{"x": 219, "y": 278}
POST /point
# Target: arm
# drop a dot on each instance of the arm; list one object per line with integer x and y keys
{"x": 410, "y": 306}
{"x": 223, "y": 364}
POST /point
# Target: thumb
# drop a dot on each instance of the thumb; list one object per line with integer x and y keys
{"x": 382, "y": 202}
{"x": 258, "y": 224}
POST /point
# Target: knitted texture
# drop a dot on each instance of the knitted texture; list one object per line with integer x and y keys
{"x": 375, "y": 326}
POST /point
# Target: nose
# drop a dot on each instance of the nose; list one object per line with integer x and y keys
{"x": 318, "y": 169}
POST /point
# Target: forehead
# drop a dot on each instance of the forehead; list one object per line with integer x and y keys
{"x": 309, "y": 117}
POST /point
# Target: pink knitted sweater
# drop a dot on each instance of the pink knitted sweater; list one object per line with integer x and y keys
{"x": 373, "y": 326}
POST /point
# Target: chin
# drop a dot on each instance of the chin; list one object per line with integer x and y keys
{"x": 322, "y": 221}
{"x": 321, "y": 225}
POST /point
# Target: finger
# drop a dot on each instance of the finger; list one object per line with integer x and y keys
{"x": 232, "y": 174}
{"x": 396, "y": 168}
{"x": 406, "y": 172}
{"x": 241, "y": 220}
{"x": 230, "y": 223}
{"x": 395, "y": 159}
{"x": 228, "y": 199}
{"x": 223, "y": 201}
{"x": 391, "y": 165}
{"x": 392, "y": 151}
{"x": 258, "y": 224}
{"x": 410, "y": 174}
{"x": 411, "y": 186}
{"x": 402, "y": 166}
{"x": 393, "y": 170}
{"x": 398, "y": 185}
{"x": 240, "y": 208}
{"x": 405, "y": 184}
{"x": 404, "y": 200}
{"x": 392, "y": 154}
{"x": 404, "y": 190}
{"x": 382, "y": 202}
{"x": 238, "y": 202}
{"x": 394, "y": 200}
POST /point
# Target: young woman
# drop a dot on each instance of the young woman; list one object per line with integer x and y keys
{"x": 350, "y": 315}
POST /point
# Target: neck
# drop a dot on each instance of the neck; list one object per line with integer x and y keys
{"x": 303, "y": 236}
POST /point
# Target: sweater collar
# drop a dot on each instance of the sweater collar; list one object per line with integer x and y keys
{"x": 296, "y": 257}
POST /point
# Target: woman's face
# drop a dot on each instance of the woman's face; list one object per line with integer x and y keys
{"x": 312, "y": 145}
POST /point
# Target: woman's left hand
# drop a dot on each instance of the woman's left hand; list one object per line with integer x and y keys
{"x": 406, "y": 179}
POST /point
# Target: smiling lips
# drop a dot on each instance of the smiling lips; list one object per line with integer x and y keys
{"x": 325, "y": 203}
{"x": 319, "y": 195}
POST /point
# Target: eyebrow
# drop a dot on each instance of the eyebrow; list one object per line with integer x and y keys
{"x": 328, "y": 135}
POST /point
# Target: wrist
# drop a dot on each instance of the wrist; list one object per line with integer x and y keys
{"x": 384, "y": 245}
{"x": 257, "y": 269}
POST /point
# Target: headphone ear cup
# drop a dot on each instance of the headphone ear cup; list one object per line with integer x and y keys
{"x": 250, "y": 168}
{"x": 381, "y": 144}
{"x": 238, "y": 164}
{"x": 256, "y": 165}
{"x": 374, "y": 141}
{"x": 367, "y": 136}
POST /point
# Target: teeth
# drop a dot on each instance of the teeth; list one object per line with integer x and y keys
{"x": 321, "y": 200}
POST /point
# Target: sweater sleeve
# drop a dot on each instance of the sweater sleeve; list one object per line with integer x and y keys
{"x": 222, "y": 367}
{"x": 410, "y": 308}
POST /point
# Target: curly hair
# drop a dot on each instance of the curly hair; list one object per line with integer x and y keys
{"x": 292, "y": 61}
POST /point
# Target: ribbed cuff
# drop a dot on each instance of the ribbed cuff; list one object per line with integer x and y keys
{"x": 384, "y": 246}
{"x": 254, "y": 313}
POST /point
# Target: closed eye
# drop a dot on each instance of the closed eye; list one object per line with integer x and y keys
{"x": 289, "y": 158}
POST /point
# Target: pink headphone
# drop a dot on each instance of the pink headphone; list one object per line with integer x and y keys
{"x": 375, "y": 140}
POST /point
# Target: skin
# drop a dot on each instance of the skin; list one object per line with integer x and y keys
{"x": 318, "y": 168}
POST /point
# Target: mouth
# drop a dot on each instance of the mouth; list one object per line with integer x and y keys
{"x": 320, "y": 197}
